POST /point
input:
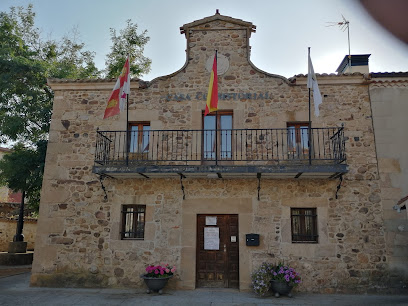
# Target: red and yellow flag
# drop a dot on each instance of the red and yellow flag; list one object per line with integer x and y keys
{"x": 212, "y": 96}
{"x": 117, "y": 99}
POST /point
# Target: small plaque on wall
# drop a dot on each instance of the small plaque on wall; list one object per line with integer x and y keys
{"x": 210, "y": 220}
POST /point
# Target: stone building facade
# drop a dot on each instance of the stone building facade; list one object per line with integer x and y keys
{"x": 201, "y": 191}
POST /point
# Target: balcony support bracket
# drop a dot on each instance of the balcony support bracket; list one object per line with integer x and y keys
{"x": 339, "y": 185}
{"x": 258, "y": 175}
{"x": 101, "y": 178}
{"x": 182, "y": 186}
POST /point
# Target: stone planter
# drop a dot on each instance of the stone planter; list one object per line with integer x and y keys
{"x": 155, "y": 284}
{"x": 281, "y": 288}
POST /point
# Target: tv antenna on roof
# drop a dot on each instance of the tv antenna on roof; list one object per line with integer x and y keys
{"x": 344, "y": 25}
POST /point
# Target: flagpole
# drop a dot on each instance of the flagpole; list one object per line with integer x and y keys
{"x": 310, "y": 120}
{"x": 216, "y": 116}
{"x": 127, "y": 123}
{"x": 127, "y": 130}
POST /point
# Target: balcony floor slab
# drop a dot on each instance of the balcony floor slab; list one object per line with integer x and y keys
{"x": 326, "y": 171}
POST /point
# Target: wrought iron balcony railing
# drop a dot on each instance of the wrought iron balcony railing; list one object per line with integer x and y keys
{"x": 219, "y": 147}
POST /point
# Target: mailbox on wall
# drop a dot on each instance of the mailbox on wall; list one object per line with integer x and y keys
{"x": 252, "y": 239}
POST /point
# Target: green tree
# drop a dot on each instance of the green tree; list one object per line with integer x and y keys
{"x": 26, "y": 61}
{"x": 128, "y": 42}
{"x": 22, "y": 171}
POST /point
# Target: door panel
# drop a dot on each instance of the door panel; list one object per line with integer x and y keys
{"x": 218, "y": 268}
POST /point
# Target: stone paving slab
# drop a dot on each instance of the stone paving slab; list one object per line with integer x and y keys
{"x": 15, "y": 290}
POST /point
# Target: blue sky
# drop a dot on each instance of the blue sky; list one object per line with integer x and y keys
{"x": 285, "y": 29}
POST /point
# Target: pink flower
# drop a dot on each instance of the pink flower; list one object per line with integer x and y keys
{"x": 161, "y": 272}
{"x": 173, "y": 270}
{"x": 156, "y": 271}
{"x": 167, "y": 271}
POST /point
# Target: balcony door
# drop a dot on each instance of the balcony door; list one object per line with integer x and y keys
{"x": 217, "y": 136}
{"x": 138, "y": 145}
{"x": 298, "y": 140}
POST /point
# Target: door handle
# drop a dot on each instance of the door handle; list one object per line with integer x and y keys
{"x": 225, "y": 248}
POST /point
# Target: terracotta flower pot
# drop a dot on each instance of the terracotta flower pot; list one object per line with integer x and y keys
{"x": 281, "y": 288}
{"x": 155, "y": 284}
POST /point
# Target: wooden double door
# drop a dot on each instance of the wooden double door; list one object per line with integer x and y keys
{"x": 217, "y": 251}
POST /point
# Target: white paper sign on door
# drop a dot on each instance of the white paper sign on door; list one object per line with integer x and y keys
{"x": 211, "y": 238}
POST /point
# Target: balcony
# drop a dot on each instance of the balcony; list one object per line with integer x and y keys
{"x": 231, "y": 153}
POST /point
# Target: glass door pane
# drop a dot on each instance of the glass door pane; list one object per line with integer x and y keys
{"x": 226, "y": 136}
{"x": 304, "y": 139}
{"x": 145, "y": 141}
{"x": 133, "y": 139}
{"x": 209, "y": 137}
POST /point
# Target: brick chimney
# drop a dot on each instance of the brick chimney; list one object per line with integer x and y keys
{"x": 359, "y": 63}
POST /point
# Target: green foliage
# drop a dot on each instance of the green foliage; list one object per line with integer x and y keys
{"x": 22, "y": 170}
{"x": 128, "y": 42}
{"x": 26, "y": 61}
{"x": 68, "y": 60}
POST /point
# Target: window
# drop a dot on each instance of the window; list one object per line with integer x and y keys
{"x": 298, "y": 146}
{"x": 217, "y": 136}
{"x": 139, "y": 137}
{"x": 133, "y": 221}
{"x": 304, "y": 224}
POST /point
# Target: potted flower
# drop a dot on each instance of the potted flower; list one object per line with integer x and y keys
{"x": 261, "y": 278}
{"x": 284, "y": 279}
{"x": 156, "y": 277}
{"x": 280, "y": 278}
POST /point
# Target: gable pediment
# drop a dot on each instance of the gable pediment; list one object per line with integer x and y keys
{"x": 217, "y": 21}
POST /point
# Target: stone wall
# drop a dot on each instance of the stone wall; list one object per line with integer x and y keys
{"x": 78, "y": 240}
{"x": 389, "y": 98}
{"x": 8, "y": 230}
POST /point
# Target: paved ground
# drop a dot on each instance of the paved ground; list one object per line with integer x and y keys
{"x": 15, "y": 290}
{"x": 13, "y": 270}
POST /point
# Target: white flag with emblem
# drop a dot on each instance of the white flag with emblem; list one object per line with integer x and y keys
{"x": 312, "y": 84}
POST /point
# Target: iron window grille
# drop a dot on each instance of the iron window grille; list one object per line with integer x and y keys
{"x": 133, "y": 221}
{"x": 304, "y": 225}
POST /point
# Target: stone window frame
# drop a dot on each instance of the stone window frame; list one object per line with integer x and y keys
{"x": 136, "y": 215}
{"x": 301, "y": 217}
